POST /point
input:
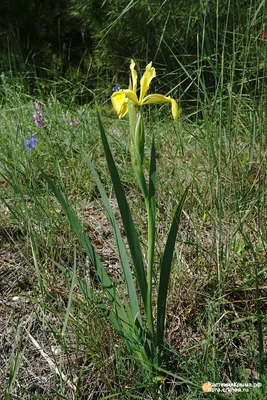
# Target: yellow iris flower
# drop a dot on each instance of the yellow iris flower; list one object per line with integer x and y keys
{"x": 120, "y": 98}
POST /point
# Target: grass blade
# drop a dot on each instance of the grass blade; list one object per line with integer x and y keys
{"x": 70, "y": 295}
{"x": 89, "y": 295}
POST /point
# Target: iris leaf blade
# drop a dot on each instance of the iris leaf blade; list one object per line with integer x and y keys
{"x": 107, "y": 284}
{"x": 121, "y": 248}
{"x": 130, "y": 231}
{"x": 165, "y": 269}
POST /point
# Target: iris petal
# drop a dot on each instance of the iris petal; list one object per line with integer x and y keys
{"x": 175, "y": 112}
{"x": 159, "y": 98}
{"x": 134, "y": 76}
{"x": 145, "y": 81}
{"x": 156, "y": 98}
{"x": 120, "y": 97}
{"x": 124, "y": 109}
{"x": 132, "y": 96}
{"x": 119, "y": 102}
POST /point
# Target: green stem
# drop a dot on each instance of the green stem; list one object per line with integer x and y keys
{"x": 139, "y": 174}
{"x": 150, "y": 251}
{"x": 151, "y": 221}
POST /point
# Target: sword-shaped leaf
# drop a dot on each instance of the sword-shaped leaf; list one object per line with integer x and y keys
{"x": 128, "y": 223}
{"x": 165, "y": 270}
{"x": 121, "y": 250}
{"x": 106, "y": 282}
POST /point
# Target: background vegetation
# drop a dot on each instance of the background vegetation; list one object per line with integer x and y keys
{"x": 89, "y": 43}
{"x": 211, "y": 57}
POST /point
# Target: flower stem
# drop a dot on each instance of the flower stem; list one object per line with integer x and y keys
{"x": 150, "y": 250}
{"x": 137, "y": 139}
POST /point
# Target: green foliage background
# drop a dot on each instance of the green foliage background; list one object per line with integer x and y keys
{"x": 90, "y": 42}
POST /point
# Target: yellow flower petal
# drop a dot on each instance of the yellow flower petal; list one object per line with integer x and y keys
{"x": 124, "y": 109}
{"x": 149, "y": 74}
{"x": 159, "y": 98}
{"x": 132, "y": 96}
{"x": 156, "y": 98}
{"x": 120, "y": 98}
{"x": 134, "y": 76}
{"x": 119, "y": 102}
{"x": 175, "y": 112}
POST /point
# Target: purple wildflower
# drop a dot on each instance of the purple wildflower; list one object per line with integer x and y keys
{"x": 38, "y": 120}
{"x": 116, "y": 89}
{"x": 29, "y": 143}
{"x": 38, "y": 107}
{"x": 73, "y": 123}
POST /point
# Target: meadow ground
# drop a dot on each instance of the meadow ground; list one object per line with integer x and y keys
{"x": 216, "y": 308}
